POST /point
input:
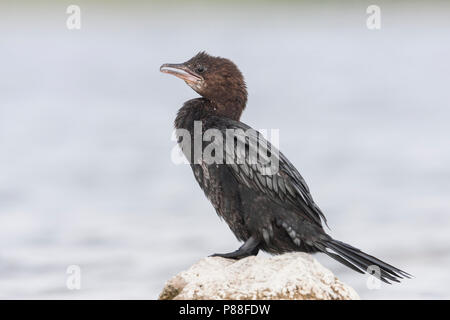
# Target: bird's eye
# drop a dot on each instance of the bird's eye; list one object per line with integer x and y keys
{"x": 200, "y": 69}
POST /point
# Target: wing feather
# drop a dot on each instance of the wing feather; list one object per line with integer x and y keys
{"x": 250, "y": 157}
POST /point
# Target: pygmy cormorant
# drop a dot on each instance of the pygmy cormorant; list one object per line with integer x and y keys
{"x": 269, "y": 210}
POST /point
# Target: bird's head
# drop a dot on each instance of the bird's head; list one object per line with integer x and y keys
{"x": 214, "y": 78}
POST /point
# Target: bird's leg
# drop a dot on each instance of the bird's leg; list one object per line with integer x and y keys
{"x": 249, "y": 248}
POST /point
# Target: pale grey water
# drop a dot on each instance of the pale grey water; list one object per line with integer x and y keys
{"x": 85, "y": 139}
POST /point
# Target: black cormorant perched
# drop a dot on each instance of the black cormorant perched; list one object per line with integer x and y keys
{"x": 274, "y": 211}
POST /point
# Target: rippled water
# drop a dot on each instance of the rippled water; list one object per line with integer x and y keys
{"x": 85, "y": 139}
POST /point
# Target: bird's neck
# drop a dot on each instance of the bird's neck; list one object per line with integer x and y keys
{"x": 202, "y": 108}
{"x": 230, "y": 108}
{"x": 229, "y": 101}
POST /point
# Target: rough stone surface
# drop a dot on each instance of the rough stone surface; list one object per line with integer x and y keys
{"x": 289, "y": 276}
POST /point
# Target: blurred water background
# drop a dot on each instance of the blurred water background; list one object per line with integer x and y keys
{"x": 86, "y": 176}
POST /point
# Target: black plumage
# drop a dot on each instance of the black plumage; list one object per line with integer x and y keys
{"x": 268, "y": 209}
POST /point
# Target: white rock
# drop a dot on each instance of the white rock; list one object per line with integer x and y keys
{"x": 289, "y": 276}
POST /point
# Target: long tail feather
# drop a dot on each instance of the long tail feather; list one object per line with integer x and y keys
{"x": 361, "y": 261}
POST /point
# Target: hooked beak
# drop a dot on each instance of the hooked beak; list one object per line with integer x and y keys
{"x": 181, "y": 71}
